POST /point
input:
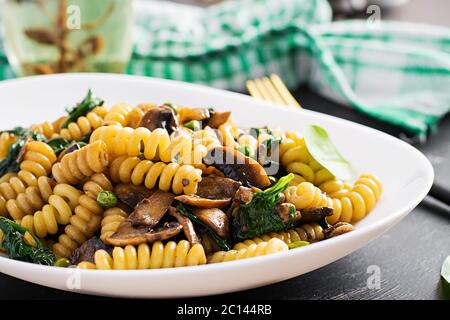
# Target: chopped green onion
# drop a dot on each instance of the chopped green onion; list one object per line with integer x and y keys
{"x": 194, "y": 125}
{"x": 247, "y": 151}
{"x": 297, "y": 244}
{"x": 62, "y": 263}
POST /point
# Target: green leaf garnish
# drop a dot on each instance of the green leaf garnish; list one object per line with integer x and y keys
{"x": 18, "y": 248}
{"x": 297, "y": 244}
{"x": 325, "y": 152}
{"x": 11, "y": 162}
{"x": 259, "y": 216}
{"x": 89, "y": 103}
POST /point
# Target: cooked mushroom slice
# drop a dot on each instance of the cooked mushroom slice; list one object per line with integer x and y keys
{"x": 215, "y": 187}
{"x": 315, "y": 214}
{"x": 284, "y": 212}
{"x": 196, "y": 201}
{"x": 338, "y": 229}
{"x": 188, "y": 227}
{"x": 242, "y": 196}
{"x": 87, "y": 250}
{"x": 216, "y": 219}
{"x": 238, "y": 167}
{"x": 218, "y": 118}
{"x": 130, "y": 194}
{"x": 187, "y": 114}
{"x": 159, "y": 117}
{"x": 150, "y": 210}
{"x": 126, "y": 234}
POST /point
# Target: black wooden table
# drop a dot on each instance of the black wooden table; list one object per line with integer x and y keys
{"x": 409, "y": 256}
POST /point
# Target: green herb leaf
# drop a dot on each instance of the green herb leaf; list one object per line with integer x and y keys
{"x": 11, "y": 163}
{"x": 194, "y": 125}
{"x": 259, "y": 216}
{"x": 19, "y": 249}
{"x": 222, "y": 243}
{"x": 89, "y": 103}
{"x": 174, "y": 108}
{"x": 58, "y": 144}
{"x": 325, "y": 152}
{"x": 247, "y": 151}
{"x": 297, "y": 244}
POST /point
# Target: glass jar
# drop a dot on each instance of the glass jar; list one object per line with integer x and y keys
{"x": 55, "y": 36}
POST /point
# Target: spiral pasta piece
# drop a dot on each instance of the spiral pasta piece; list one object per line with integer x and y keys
{"x": 46, "y": 129}
{"x": 349, "y": 205}
{"x": 311, "y": 232}
{"x": 118, "y": 115}
{"x": 296, "y": 158}
{"x": 86, "y": 220}
{"x": 32, "y": 199}
{"x": 58, "y": 211}
{"x": 170, "y": 176}
{"x": 157, "y": 144}
{"x": 135, "y": 115}
{"x": 274, "y": 245}
{"x": 82, "y": 163}
{"x": 84, "y": 125}
{"x": 27, "y": 185}
{"x": 112, "y": 218}
{"x": 6, "y": 140}
{"x": 170, "y": 255}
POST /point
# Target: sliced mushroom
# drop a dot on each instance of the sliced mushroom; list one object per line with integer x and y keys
{"x": 238, "y": 167}
{"x": 130, "y": 194}
{"x": 150, "y": 210}
{"x": 200, "y": 202}
{"x": 338, "y": 229}
{"x": 159, "y": 117}
{"x": 242, "y": 196}
{"x": 188, "y": 227}
{"x": 126, "y": 234}
{"x": 87, "y": 250}
{"x": 215, "y": 187}
{"x": 284, "y": 212}
{"x": 216, "y": 219}
{"x": 187, "y": 114}
{"x": 311, "y": 215}
{"x": 218, "y": 118}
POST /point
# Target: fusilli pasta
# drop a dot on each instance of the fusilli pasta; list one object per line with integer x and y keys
{"x": 171, "y": 176}
{"x": 170, "y": 255}
{"x": 86, "y": 220}
{"x": 82, "y": 163}
{"x": 348, "y": 205}
{"x": 59, "y": 211}
{"x": 274, "y": 245}
{"x": 84, "y": 125}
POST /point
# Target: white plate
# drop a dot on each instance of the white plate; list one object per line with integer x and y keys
{"x": 407, "y": 176}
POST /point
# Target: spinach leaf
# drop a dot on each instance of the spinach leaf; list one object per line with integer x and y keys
{"x": 12, "y": 161}
{"x": 60, "y": 144}
{"x": 325, "y": 152}
{"x": 89, "y": 103}
{"x": 15, "y": 243}
{"x": 222, "y": 243}
{"x": 259, "y": 216}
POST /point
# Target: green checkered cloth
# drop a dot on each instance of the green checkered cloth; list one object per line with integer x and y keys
{"x": 396, "y": 72}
